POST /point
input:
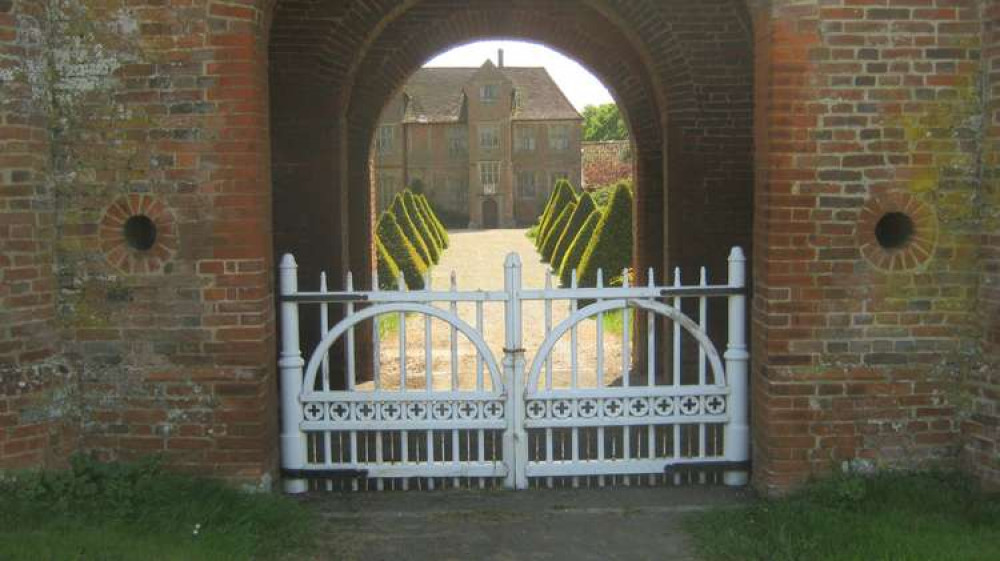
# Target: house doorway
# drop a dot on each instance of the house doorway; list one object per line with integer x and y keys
{"x": 491, "y": 214}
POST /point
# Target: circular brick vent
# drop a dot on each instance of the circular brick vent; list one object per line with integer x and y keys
{"x": 897, "y": 232}
{"x": 137, "y": 234}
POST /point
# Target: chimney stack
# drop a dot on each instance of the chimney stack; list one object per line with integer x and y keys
{"x": 500, "y": 58}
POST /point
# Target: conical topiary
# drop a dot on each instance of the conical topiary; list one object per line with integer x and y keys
{"x": 434, "y": 218}
{"x": 418, "y": 221}
{"x": 555, "y": 231}
{"x": 610, "y": 248}
{"x": 561, "y": 196}
{"x": 429, "y": 222}
{"x": 409, "y": 229}
{"x": 388, "y": 271}
{"x": 576, "y": 248}
{"x": 584, "y": 206}
{"x": 405, "y": 255}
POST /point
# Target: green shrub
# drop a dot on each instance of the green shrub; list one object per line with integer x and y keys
{"x": 576, "y": 247}
{"x": 435, "y": 222}
{"x": 556, "y": 230}
{"x": 562, "y": 195}
{"x": 388, "y": 270}
{"x": 433, "y": 249}
{"x": 610, "y": 248}
{"x": 406, "y": 224}
{"x": 585, "y": 205}
{"x": 406, "y": 256}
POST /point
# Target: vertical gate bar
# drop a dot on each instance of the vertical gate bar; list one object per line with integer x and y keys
{"x": 548, "y": 329}
{"x": 600, "y": 335}
{"x": 351, "y": 372}
{"x": 701, "y": 450}
{"x": 328, "y": 456}
{"x": 548, "y": 454}
{"x": 479, "y": 358}
{"x": 376, "y": 342}
{"x": 354, "y": 457}
{"x": 737, "y": 438}
{"x": 677, "y": 450}
{"x": 650, "y": 338}
{"x": 402, "y": 351}
{"x": 324, "y": 326}
{"x": 626, "y": 327}
{"x": 515, "y": 442}
{"x": 574, "y": 445}
{"x": 404, "y": 455}
{"x": 379, "y": 482}
{"x": 455, "y": 452}
{"x": 676, "y": 330}
{"x": 293, "y": 440}
{"x": 481, "y": 452}
{"x": 453, "y": 307}
{"x": 428, "y": 349}
{"x": 572, "y": 334}
{"x": 703, "y": 324}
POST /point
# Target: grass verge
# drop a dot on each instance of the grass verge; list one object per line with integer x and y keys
{"x": 105, "y": 512}
{"x": 886, "y": 517}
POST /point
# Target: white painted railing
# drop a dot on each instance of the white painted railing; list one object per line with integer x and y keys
{"x": 575, "y": 418}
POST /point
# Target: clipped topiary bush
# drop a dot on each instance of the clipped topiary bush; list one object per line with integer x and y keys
{"x": 425, "y": 215}
{"x": 406, "y": 256}
{"x": 576, "y": 248}
{"x": 398, "y": 209}
{"x": 584, "y": 206}
{"x": 388, "y": 270}
{"x": 435, "y": 219}
{"x": 433, "y": 249}
{"x": 561, "y": 196}
{"x": 611, "y": 246}
{"x": 556, "y": 230}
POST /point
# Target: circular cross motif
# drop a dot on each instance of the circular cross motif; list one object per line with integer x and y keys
{"x": 638, "y": 407}
{"x": 587, "y": 408}
{"x": 493, "y": 410}
{"x": 314, "y": 411}
{"x": 535, "y": 409}
{"x": 562, "y": 408}
{"x": 339, "y": 411}
{"x": 663, "y": 406}
{"x": 442, "y": 410}
{"x": 390, "y": 411}
{"x": 468, "y": 410}
{"x": 364, "y": 411}
{"x": 714, "y": 404}
{"x": 690, "y": 405}
{"x": 416, "y": 411}
{"x": 613, "y": 408}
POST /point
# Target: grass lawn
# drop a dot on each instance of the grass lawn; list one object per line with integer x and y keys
{"x": 112, "y": 512}
{"x": 888, "y": 517}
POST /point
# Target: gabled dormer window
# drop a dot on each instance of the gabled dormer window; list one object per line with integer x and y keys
{"x": 488, "y": 93}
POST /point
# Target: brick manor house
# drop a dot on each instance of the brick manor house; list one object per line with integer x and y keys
{"x": 487, "y": 143}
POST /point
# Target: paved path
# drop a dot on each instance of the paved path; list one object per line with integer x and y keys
{"x": 477, "y": 257}
{"x": 628, "y": 524}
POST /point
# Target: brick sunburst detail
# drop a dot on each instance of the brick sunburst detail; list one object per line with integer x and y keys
{"x": 918, "y": 246}
{"x": 115, "y": 245}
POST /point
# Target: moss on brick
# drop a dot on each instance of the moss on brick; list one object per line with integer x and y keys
{"x": 576, "y": 247}
{"x": 406, "y": 256}
{"x": 610, "y": 248}
{"x": 406, "y": 224}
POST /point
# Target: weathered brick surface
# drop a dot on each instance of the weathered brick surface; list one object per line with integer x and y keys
{"x": 862, "y": 107}
{"x": 606, "y": 163}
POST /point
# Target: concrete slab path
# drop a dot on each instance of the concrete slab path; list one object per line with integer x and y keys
{"x": 628, "y": 524}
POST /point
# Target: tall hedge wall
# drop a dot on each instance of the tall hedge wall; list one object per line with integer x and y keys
{"x": 404, "y": 253}
{"x": 610, "y": 248}
{"x": 406, "y": 224}
{"x": 571, "y": 260}
{"x": 584, "y": 206}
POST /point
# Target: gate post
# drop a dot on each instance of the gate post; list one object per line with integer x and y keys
{"x": 737, "y": 444}
{"x": 515, "y": 440}
{"x": 293, "y": 441}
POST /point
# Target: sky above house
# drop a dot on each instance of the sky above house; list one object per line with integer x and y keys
{"x": 580, "y": 86}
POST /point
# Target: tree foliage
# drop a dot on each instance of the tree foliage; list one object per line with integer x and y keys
{"x": 406, "y": 256}
{"x": 603, "y": 122}
{"x": 584, "y": 207}
{"x": 576, "y": 248}
{"x": 610, "y": 248}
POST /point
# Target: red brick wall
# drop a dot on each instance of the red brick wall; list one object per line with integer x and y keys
{"x": 863, "y": 108}
{"x": 605, "y": 163}
{"x": 982, "y": 428}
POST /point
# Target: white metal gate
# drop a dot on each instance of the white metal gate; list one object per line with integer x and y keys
{"x": 645, "y": 399}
